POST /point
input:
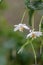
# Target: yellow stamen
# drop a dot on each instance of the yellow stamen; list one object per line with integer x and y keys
{"x": 21, "y": 28}
{"x": 33, "y": 35}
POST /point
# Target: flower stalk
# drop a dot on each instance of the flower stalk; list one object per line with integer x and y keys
{"x": 40, "y": 30}
{"x": 40, "y": 24}
{"x": 23, "y": 16}
{"x": 34, "y": 53}
{"x": 33, "y": 22}
{"x": 21, "y": 49}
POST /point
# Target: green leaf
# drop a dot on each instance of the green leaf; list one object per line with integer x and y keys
{"x": 35, "y": 5}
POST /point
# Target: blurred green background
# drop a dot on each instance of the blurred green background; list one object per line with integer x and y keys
{"x": 11, "y": 12}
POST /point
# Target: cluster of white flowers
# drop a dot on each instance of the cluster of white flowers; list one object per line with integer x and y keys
{"x": 32, "y": 34}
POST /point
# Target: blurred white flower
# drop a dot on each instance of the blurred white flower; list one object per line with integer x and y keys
{"x": 21, "y": 27}
{"x": 34, "y": 34}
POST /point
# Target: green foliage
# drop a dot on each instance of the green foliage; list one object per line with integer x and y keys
{"x": 2, "y": 5}
{"x": 33, "y": 5}
{"x": 13, "y": 42}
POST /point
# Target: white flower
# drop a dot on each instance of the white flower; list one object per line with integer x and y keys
{"x": 21, "y": 27}
{"x": 34, "y": 34}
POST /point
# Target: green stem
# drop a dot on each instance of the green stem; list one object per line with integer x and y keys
{"x": 30, "y": 14}
{"x": 33, "y": 22}
{"x": 23, "y": 47}
{"x": 41, "y": 47}
{"x": 34, "y": 53}
{"x": 23, "y": 16}
{"x": 40, "y": 31}
{"x": 32, "y": 48}
{"x": 40, "y": 23}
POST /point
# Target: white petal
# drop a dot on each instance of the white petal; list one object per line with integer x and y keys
{"x": 20, "y": 24}
{"x": 29, "y": 35}
{"x": 26, "y": 27}
{"x": 15, "y": 29}
{"x": 15, "y": 25}
{"x": 38, "y": 33}
{"x": 30, "y": 31}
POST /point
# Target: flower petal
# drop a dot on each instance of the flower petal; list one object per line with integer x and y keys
{"x": 36, "y": 33}
{"x": 15, "y": 29}
{"x": 15, "y": 25}
{"x": 26, "y": 27}
{"x": 29, "y": 35}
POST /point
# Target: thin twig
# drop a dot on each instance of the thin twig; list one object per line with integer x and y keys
{"x": 40, "y": 23}
{"x": 23, "y": 16}
{"x": 40, "y": 31}
{"x": 21, "y": 49}
{"x": 33, "y": 22}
